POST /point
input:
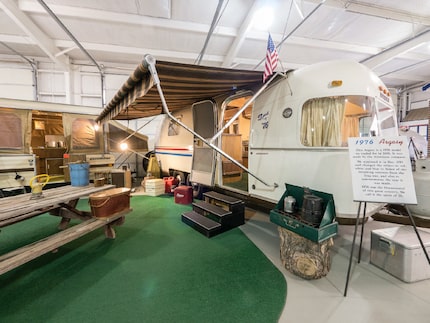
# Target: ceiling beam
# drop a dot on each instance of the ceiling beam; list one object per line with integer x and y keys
{"x": 378, "y": 55}
{"x": 122, "y": 18}
{"x": 241, "y": 35}
{"x": 397, "y": 50}
{"x": 15, "y": 39}
{"x": 369, "y": 9}
{"x": 34, "y": 32}
{"x": 139, "y": 51}
{"x": 161, "y": 54}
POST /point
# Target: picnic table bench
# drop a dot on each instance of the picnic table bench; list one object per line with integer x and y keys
{"x": 61, "y": 202}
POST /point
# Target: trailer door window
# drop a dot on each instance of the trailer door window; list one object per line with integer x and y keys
{"x": 330, "y": 121}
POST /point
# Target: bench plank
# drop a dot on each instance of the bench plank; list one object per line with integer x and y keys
{"x": 31, "y": 251}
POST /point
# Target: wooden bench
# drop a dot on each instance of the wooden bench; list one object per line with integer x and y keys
{"x": 31, "y": 251}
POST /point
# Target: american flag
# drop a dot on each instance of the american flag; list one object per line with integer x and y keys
{"x": 271, "y": 59}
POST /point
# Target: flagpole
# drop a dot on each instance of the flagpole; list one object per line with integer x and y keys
{"x": 272, "y": 58}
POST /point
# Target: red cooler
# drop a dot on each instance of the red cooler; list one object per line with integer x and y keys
{"x": 183, "y": 195}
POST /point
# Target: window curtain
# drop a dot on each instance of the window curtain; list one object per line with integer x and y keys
{"x": 350, "y": 128}
{"x": 80, "y": 134}
{"x": 322, "y": 120}
{"x": 15, "y": 131}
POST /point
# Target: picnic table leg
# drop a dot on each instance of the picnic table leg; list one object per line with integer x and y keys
{"x": 68, "y": 211}
{"x": 110, "y": 231}
{"x": 119, "y": 221}
{"x": 64, "y": 223}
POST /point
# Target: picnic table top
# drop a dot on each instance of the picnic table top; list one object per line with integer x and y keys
{"x": 17, "y": 205}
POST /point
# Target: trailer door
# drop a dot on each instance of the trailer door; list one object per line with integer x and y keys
{"x": 203, "y": 165}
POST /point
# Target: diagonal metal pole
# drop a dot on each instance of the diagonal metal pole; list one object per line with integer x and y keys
{"x": 150, "y": 63}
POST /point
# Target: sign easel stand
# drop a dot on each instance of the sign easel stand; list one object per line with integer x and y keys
{"x": 361, "y": 240}
{"x": 381, "y": 172}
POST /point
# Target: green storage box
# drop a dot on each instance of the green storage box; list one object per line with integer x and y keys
{"x": 292, "y": 222}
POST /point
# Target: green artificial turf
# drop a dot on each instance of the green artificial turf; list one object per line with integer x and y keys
{"x": 157, "y": 269}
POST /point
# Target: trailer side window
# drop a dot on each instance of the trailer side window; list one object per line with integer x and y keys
{"x": 81, "y": 134}
{"x": 15, "y": 130}
{"x": 84, "y": 135}
{"x": 330, "y": 121}
{"x": 11, "y": 131}
{"x": 322, "y": 122}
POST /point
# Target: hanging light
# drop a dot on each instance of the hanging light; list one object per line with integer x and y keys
{"x": 123, "y": 146}
{"x": 263, "y": 18}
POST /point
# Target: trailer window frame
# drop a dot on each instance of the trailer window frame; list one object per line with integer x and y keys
{"x": 330, "y": 121}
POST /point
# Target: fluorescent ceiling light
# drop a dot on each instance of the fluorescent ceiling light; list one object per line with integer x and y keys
{"x": 263, "y": 18}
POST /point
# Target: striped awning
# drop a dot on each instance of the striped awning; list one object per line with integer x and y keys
{"x": 182, "y": 85}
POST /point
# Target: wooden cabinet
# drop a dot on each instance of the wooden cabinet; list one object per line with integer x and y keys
{"x": 232, "y": 145}
{"x": 49, "y": 160}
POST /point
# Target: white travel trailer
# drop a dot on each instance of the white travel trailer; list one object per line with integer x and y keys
{"x": 301, "y": 124}
{"x": 293, "y": 130}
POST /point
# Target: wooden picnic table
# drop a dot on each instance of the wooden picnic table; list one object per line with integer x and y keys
{"x": 60, "y": 201}
{"x": 21, "y": 207}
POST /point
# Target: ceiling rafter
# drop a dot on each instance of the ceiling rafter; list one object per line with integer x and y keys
{"x": 241, "y": 35}
{"x": 371, "y": 9}
{"x": 34, "y": 32}
{"x": 396, "y": 60}
{"x": 122, "y": 18}
{"x": 397, "y": 50}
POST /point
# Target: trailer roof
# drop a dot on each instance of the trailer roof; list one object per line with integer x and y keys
{"x": 182, "y": 85}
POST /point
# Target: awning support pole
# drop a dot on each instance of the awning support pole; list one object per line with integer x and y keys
{"x": 149, "y": 61}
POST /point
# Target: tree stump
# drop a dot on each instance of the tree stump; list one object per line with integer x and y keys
{"x": 303, "y": 257}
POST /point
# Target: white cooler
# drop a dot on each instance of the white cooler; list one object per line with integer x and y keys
{"x": 154, "y": 187}
{"x": 398, "y": 251}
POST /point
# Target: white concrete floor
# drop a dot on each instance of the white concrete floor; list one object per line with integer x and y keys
{"x": 373, "y": 295}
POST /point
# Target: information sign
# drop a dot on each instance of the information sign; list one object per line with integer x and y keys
{"x": 381, "y": 170}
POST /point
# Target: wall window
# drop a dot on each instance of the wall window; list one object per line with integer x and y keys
{"x": 330, "y": 121}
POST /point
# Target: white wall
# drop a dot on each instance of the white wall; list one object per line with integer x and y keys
{"x": 16, "y": 83}
{"x": 80, "y": 85}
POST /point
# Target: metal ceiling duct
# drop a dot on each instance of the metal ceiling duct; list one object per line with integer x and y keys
{"x": 215, "y": 21}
